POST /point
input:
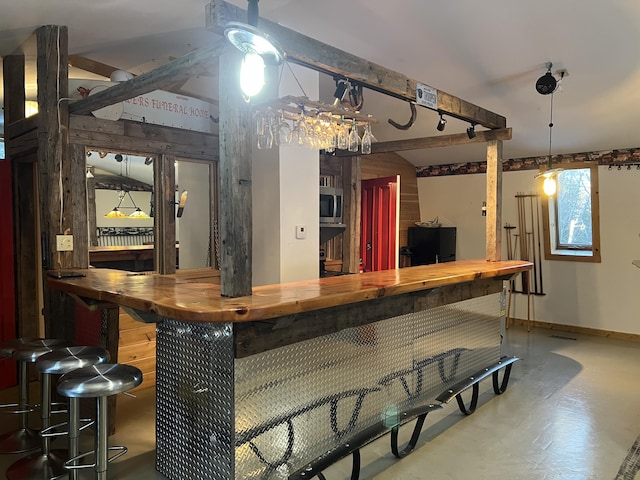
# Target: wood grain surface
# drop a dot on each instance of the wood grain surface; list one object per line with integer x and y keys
{"x": 198, "y": 298}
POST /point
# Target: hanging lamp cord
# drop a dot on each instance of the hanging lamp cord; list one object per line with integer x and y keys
{"x": 549, "y": 163}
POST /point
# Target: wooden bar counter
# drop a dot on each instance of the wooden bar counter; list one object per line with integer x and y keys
{"x": 259, "y": 386}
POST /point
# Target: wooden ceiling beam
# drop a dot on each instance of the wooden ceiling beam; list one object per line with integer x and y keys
{"x": 164, "y": 76}
{"x": 437, "y": 141}
{"x": 319, "y": 56}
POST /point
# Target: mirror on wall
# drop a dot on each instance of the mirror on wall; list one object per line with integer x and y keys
{"x": 122, "y": 218}
{"x": 195, "y": 228}
{"x": 120, "y": 203}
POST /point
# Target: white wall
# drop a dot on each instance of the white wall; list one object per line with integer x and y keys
{"x": 603, "y": 296}
{"x": 285, "y": 194}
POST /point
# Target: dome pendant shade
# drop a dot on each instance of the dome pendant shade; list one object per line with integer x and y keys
{"x": 249, "y": 39}
{"x": 546, "y": 84}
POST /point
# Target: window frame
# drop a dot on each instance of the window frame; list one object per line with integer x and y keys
{"x": 592, "y": 254}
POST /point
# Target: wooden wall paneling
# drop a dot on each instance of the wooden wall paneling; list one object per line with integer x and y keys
{"x": 494, "y": 201}
{"x": 235, "y": 182}
{"x": 164, "y": 181}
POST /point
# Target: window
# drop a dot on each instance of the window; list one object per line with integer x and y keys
{"x": 571, "y": 216}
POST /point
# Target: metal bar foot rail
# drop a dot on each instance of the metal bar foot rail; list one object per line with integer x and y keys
{"x": 473, "y": 382}
{"x": 353, "y": 445}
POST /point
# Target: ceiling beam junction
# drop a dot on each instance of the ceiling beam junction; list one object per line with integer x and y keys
{"x": 321, "y": 57}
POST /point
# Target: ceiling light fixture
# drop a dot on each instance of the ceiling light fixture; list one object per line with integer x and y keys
{"x": 471, "y": 131}
{"x": 443, "y": 123}
{"x": 116, "y": 213}
{"x": 547, "y": 83}
{"x": 546, "y": 87}
{"x": 258, "y": 48}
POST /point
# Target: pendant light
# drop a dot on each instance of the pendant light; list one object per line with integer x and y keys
{"x": 258, "y": 48}
{"x": 547, "y": 85}
{"x": 116, "y": 213}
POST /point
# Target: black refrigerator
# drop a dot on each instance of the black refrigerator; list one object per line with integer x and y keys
{"x": 432, "y": 245}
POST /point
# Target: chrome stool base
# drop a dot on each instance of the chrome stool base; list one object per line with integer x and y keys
{"x": 39, "y": 466}
{"x": 20, "y": 441}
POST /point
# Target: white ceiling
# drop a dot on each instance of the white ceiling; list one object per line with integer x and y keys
{"x": 489, "y": 53}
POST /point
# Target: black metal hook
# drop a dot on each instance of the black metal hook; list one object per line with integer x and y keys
{"x": 409, "y": 124}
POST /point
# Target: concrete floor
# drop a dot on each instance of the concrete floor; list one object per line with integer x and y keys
{"x": 571, "y": 412}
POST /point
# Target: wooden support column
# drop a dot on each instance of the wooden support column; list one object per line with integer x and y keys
{"x": 24, "y": 202}
{"x": 164, "y": 180}
{"x": 235, "y": 223}
{"x": 352, "y": 181}
{"x": 494, "y": 200}
{"x": 60, "y": 195}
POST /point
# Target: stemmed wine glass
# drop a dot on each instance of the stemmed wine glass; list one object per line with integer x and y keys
{"x": 367, "y": 138}
{"x": 354, "y": 139}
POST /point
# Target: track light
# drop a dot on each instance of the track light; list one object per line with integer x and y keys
{"x": 441, "y": 124}
{"x": 471, "y": 131}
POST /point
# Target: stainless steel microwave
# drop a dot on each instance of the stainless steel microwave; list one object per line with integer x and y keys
{"x": 330, "y": 205}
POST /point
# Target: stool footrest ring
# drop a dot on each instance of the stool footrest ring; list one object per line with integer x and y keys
{"x": 68, "y": 464}
{"x": 19, "y": 409}
{"x": 50, "y": 431}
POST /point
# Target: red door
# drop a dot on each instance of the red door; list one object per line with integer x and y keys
{"x": 379, "y": 224}
{"x": 7, "y": 281}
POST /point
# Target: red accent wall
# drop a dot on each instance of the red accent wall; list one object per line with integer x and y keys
{"x": 7, "y": 278}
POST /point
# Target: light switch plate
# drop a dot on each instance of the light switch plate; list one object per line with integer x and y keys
{"x": 301, "y": 232}
{"x": 64, "y": 243}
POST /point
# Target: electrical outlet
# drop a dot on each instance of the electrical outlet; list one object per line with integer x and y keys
{"x": 301, "y": 232}
{"x": 64, "y": 243}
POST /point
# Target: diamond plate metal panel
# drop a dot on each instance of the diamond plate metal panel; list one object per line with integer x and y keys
{"x": 194, "y": 400}
{"x": 297, "y": 402}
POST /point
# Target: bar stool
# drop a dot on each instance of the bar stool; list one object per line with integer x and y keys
{"x": 99, "y": 382}
{"x": 24, "y": 439}
{"x": 49, "y": 463}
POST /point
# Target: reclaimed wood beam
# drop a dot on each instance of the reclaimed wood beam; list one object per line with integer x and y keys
{"x": 125, "y": 135}
{"x": 494, "y": 201}
{"x": 235, "y": 183}
{"x": 164, "y": 76}
{"x": 437, "y": 141}
{"x": 319, "y": 56}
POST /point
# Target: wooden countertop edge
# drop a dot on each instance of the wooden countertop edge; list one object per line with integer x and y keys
{"x": 175, "y": 297}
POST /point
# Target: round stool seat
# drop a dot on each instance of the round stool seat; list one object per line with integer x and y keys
{"x": 65, "y": 359}
{"x": 7, "y": 348}
{"x": 99, "y": 380}
{"x": 31, "y": 351}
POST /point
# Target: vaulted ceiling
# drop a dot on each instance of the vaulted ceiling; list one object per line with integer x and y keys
{"x": 489, "y": 53}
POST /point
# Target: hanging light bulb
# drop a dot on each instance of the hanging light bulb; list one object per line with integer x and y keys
{"x": 252, "y": 74}
{"x": 253, "y": 43}
{"x": 549, "y": 185}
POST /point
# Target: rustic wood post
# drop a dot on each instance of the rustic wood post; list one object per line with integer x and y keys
{"x": 352, "y": 183}
{"x": 61, "y": 187}
{"x": 24, "y": 195}
{"x": 235, "y": 223}
{"x": 494, "y": 200}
